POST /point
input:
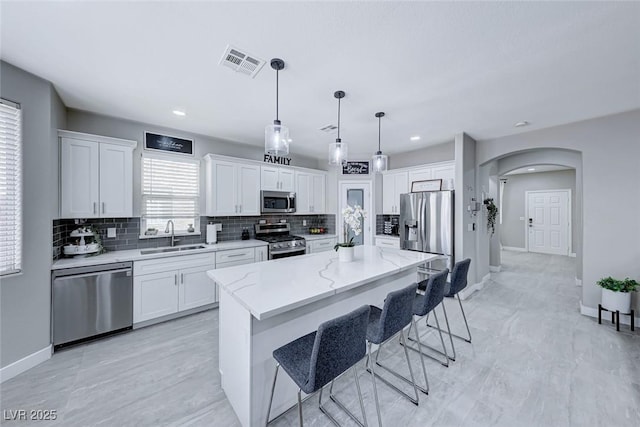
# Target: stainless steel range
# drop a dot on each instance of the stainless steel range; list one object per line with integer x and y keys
{"x": 281, "y": 243}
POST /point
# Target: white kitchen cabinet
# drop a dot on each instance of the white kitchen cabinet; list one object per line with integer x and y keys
{"x": 262, "y": 254}
{"x": 310, "y": 193}
{"x": 166, "y": 286}
{"x": 445, "y": 172}
{"x": 276, "y": 179}
{"x": 96, "y": 176}
{"x": 388, "y": 242}
{"x": 232, "y": 188}
{"x": 320, "y": 245}
{"x": 393, "y": 185}
{"x": 421, "y": 174}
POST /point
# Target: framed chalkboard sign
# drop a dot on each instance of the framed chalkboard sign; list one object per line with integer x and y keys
{"x": 171, "y": 144}
{"x": 355, "y": 168}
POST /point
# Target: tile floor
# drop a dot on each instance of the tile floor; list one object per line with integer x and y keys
{"x": 534, "y": 361}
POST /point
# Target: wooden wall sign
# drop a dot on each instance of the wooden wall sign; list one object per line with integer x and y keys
{"x": 279, "y": 160}
{"x": 172, "y": 144}
{"x": 355, "y": 168}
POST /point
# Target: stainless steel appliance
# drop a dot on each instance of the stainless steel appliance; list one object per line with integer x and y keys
{"x": 91, "y": 301}
{"x": 426, "y": 222}
{"x": 281, "y": 243}
{"x": 277, "y": 202}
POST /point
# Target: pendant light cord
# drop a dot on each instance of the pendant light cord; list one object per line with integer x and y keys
{"x": 379, "y": 120}
{"x": 339, "y": 118}
{"x": 277, "y": 91}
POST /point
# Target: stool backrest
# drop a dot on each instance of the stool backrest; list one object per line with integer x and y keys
{"x": 339, "y": 344}
{"x": 459, "y": 276}
{"x": 396, "y": 313}
{"x": 433, "y": 294}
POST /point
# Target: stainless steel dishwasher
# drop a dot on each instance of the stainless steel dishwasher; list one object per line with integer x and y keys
{"x": 88, "y": 302}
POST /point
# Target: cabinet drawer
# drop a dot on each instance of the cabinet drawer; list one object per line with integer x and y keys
{"x": 234, "y": 263}
{"x": 388, "y": 243}
{"x": 173, "y": 263}
{"x": 247, "y": 254}
{"x": 322, "y": 245}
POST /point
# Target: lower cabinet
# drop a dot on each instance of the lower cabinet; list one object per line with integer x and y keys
{"x": 320, "y": 245}
{"x": 159, "y": 288}
{"x": 388, "y": 242}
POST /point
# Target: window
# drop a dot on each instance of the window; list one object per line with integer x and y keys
{"x": 170, "y": 191}
{"x": 10, "y": 188}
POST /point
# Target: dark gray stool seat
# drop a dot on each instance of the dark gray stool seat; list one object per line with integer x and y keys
{"x": 318, "y": 358}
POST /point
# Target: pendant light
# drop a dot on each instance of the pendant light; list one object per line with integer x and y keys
{"x": 380, "y": 162}
{"x": 276, "y": 136}
{"x": 338, "y": 150}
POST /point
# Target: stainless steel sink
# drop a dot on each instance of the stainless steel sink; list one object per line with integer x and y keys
{"x": 172, "y": 249}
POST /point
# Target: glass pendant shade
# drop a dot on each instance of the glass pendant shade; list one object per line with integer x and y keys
{"x": 338, "y": 153}
{"x": 276, "y": 139}
{"x": 380, "y": 162}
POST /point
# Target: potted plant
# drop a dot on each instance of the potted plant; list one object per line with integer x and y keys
{"x": 492, "y": 214}
{"x": 616, "y": 294}
{"x": 352, "y": 217}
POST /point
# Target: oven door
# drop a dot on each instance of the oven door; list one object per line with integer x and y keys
{"x": 287, "y": 253}
{"x": 278, "y": 202}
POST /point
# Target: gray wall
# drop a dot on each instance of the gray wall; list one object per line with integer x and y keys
{"x": 25, "y": 298}
{"x": 83, "y": 121}
{"x": 465, "y": 190}
{"x": 513, "y": 204}
{"x": 610, "y": 149}
{"x": 423, "y": 156}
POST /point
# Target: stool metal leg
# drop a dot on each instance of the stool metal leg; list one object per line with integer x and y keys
{"x": 446, "y": 319}
{"x": 335, "y": 399}
{"x": 300, "y": 406}
{"x": 444, "y": 363}
{"x": 373, "y": 379}
{"x": 424, "y": 370}
{"x": 273, "y": 388}
{"x": 465, "y": 323}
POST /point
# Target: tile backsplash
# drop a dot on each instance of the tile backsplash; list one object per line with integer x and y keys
{"x": 128, "y": 230}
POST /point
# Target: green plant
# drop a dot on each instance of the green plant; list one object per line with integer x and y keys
{"x": 492, "y": 214}
{"x": 615, "y": 285}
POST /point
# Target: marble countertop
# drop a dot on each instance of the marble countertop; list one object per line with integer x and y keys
{"x": 310, "y": 237}
{"x": 269, "y": 288}
{"x": 136, "y": 255}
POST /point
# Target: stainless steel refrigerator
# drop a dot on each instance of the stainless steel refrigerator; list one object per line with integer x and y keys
{"x": 426, "y": 223}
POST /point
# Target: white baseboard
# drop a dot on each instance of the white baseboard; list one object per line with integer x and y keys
{"x": 495, "y": 268}
{"x": 466, "y": 293}
{"x": 513, "y": 248}
{"x": 572, "y": 254}
{"x": 593, "y": 312}
{"x": 578, "y": 282}
{"x": 26, "y": 363}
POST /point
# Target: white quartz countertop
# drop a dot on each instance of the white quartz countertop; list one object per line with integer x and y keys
{"x": 136, "y": 255}
{"x": 310, "y": 237}
{"x": 269, "y": 288}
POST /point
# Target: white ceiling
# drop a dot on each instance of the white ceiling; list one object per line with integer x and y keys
{"x": 537, "y": 169}
{"x": 435, "y": 68}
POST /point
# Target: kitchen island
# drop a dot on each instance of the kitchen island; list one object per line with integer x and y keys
{"x": 268, "y": 304}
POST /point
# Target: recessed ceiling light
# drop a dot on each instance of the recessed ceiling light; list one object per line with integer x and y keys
{"x": 531, "y": 169}
{"x": 179, "y": 113}
{"x": 415, "y": 138}
{"x": 521, "y": 124}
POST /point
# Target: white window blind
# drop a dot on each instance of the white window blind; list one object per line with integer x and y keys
{"x": 10, "y": 188}
{"x": 170, "y": 191}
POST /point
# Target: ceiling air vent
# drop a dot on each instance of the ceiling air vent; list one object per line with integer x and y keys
{"x": 241, "y": 62}
{"x": 329, "y": 129}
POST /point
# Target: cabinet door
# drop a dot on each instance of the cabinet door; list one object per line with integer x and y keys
{"x": 388, "y": 242}
{"x": 447, "y": 174}
{"x": 155, "y": 295}
{"x": 261, "y": 254}
{"x": 116, "y": 181}
{"x": 286, "y": 178}
{"x": 401, "y": 187}
{"x": 80, "y": 183}
{"x": 303, "y": 193}
{"x": 196, "y": 288}
{"x": 388, "y": 192}
{"x": 419, "y": 175}
{"x": 322, "y": 245}
{"x": 317, "y": 192}
{"x": 224, "y": 189}
{"x": 248, "y": 189}
{"x": 269, "y": 179}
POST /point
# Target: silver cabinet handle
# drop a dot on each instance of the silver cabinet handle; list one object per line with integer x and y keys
{"x": 182, "y": 278}
{"x": 175, "y": 279}
{"x": 94, "y": 207}
{"x": 236, "y": 206}
{"x": 235, "y": 255}
{"x": 240, "y": 209}
{"x": 103, "y": 207}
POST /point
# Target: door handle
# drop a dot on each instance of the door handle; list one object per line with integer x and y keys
{"x": 175, "y": 279}
{"x": 94, "y": 207}
{"x": 240, "y": 209}
{"x": 182, "y": 278}
{"x": 103, "y": 207}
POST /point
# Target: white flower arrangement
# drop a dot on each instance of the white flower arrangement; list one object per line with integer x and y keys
{"x": 352, "y": 217}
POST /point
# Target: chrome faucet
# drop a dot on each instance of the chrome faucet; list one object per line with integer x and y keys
{"x": 173, "y": 237}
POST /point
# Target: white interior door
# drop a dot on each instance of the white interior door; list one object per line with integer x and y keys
{"x": 357, "y": 192}
{"x": 548, "y": 222}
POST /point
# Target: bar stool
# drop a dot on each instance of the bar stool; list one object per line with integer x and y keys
{"x": 318, "y": 358}
{"x": 425, "y": 304}
{"x": 384, "y": 325}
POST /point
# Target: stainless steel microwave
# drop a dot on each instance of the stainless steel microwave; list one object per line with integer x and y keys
{"x": 277, "y": 202}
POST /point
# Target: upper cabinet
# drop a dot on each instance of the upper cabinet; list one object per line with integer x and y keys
{"x": 396, "y": 182}
{"x": 96, "y": 176}
{"x": 274, "y": 178}
{"x": 232, "y": 188}
{"x": 310, "y": 192}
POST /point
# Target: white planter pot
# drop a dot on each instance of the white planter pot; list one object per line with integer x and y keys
{"x": 345, "y": 254}
{"x": 616, "y": 301}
